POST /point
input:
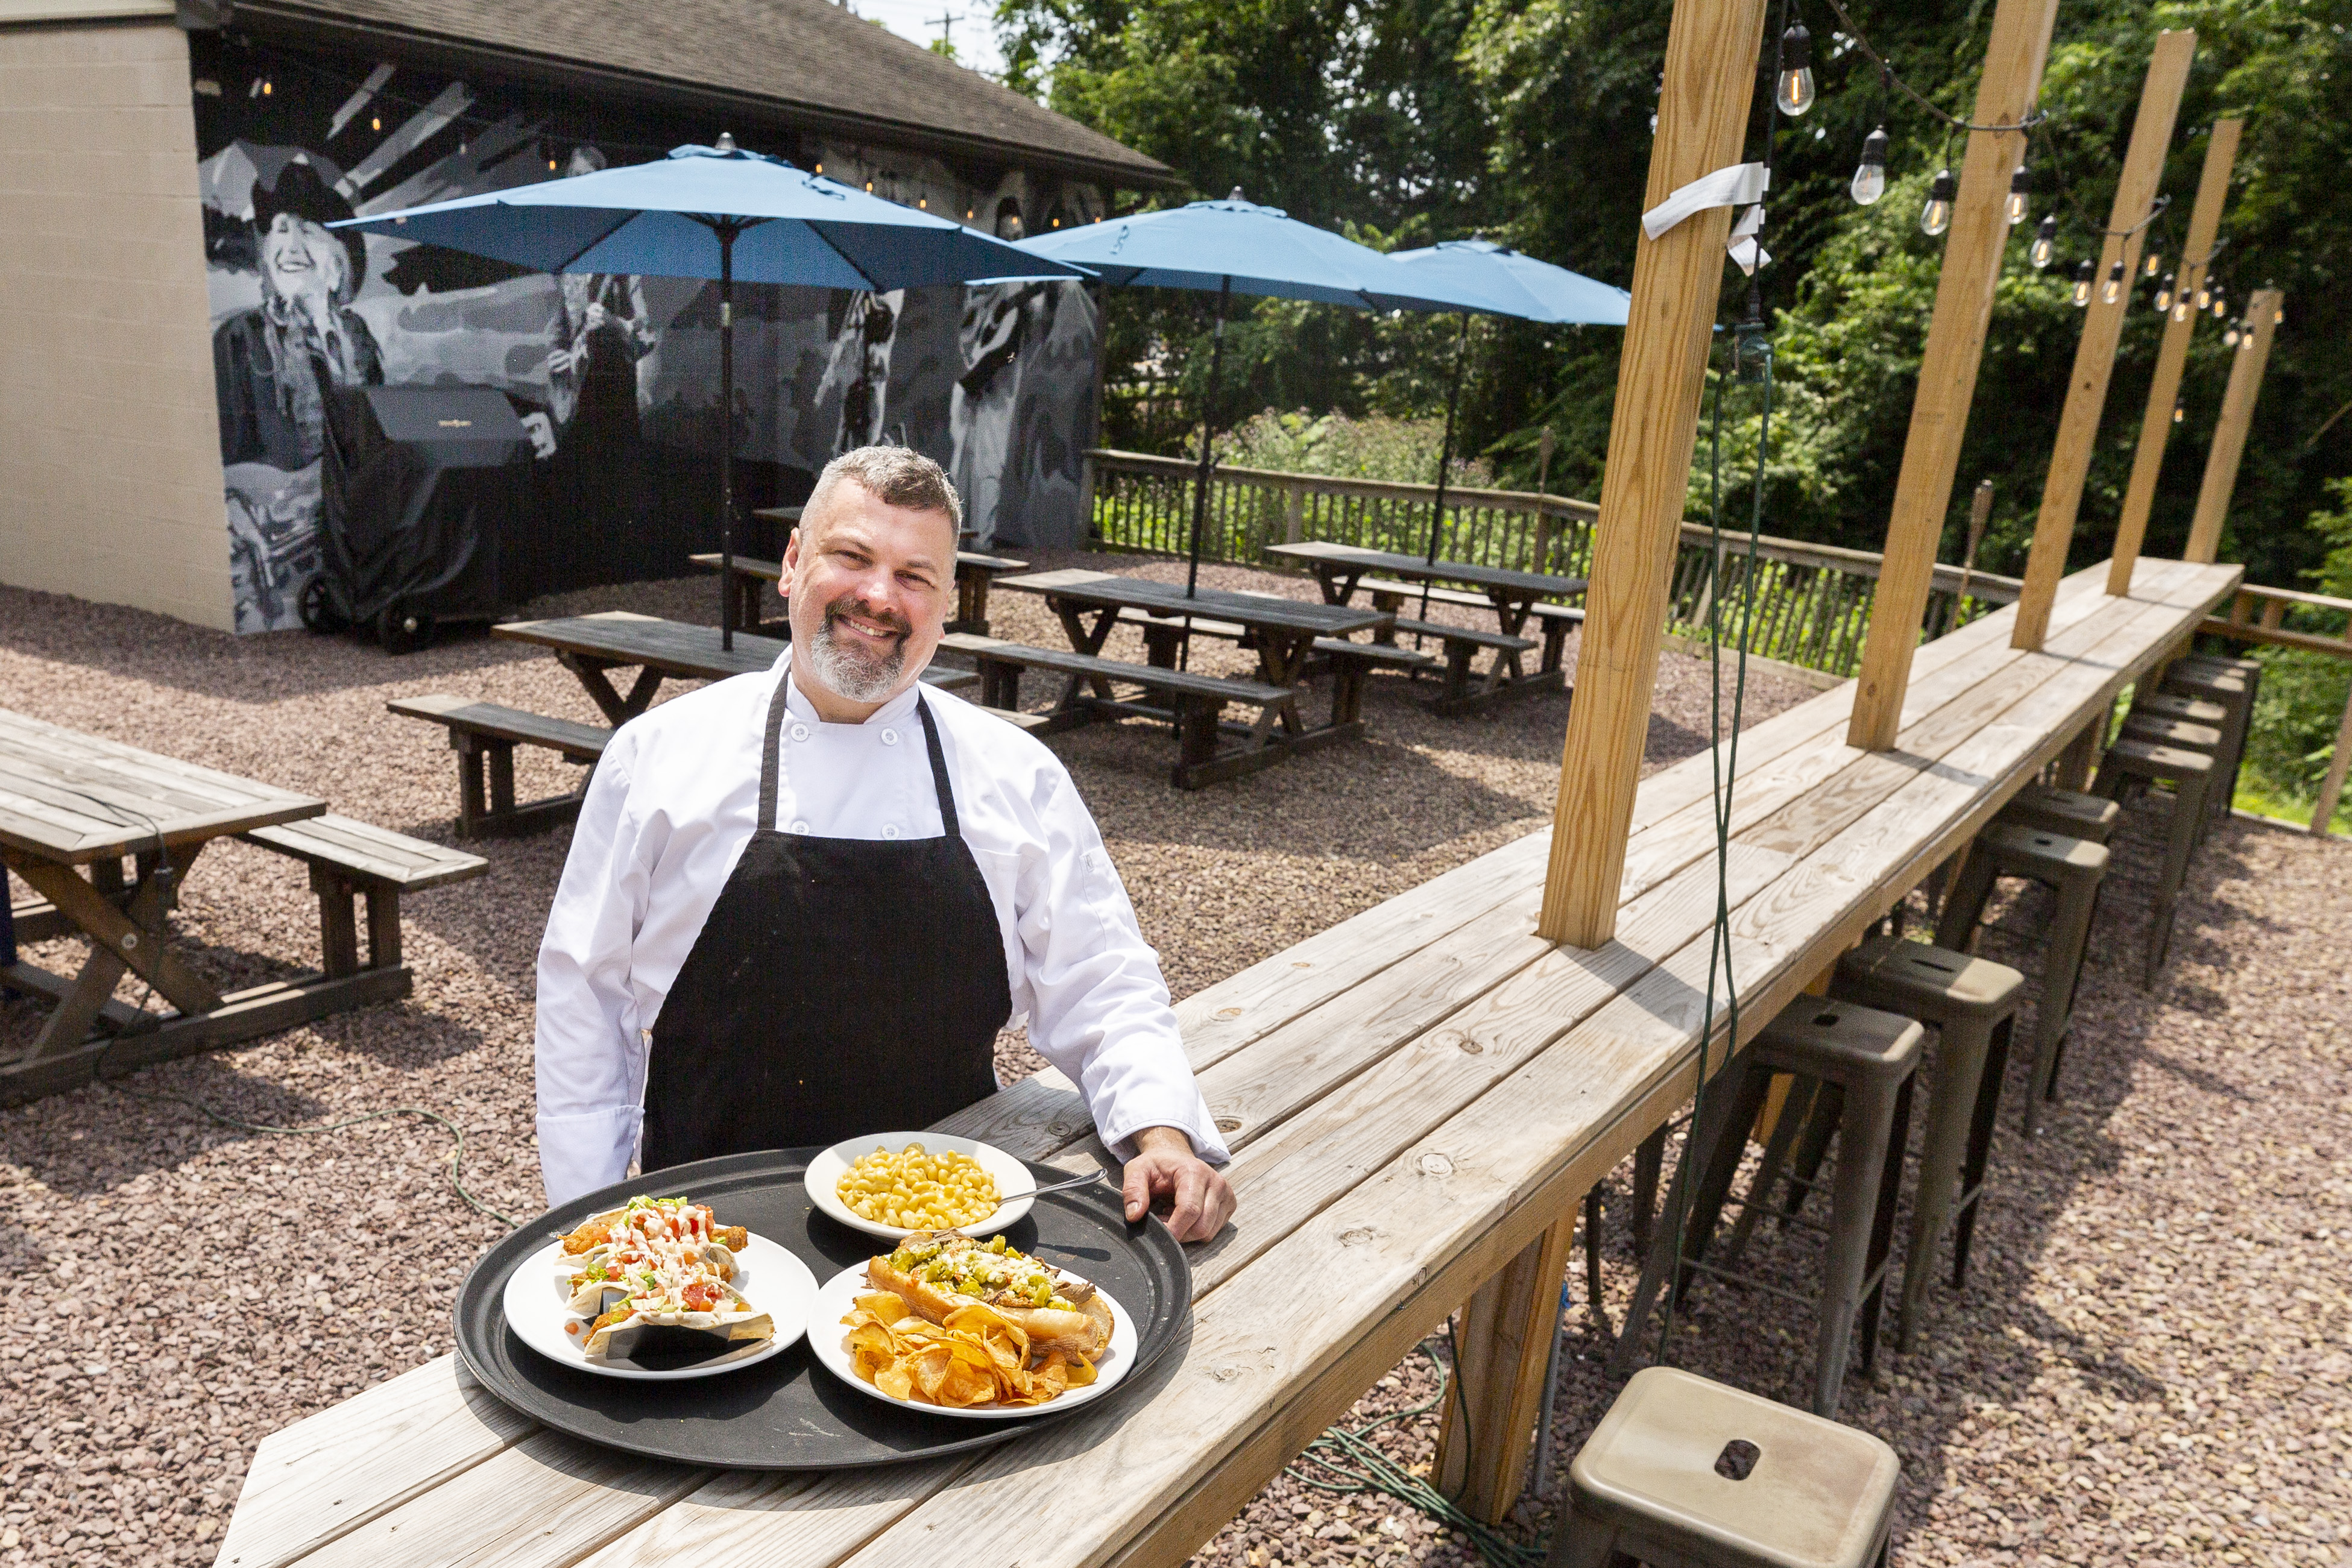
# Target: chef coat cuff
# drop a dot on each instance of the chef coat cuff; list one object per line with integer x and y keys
{"x": 585, "y": 1150}
{"x": 1192, "y": 1119}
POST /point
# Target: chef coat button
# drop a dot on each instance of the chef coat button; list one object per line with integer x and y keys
{"x": 800, "y": 732}
{"x": 800, "y": 826}
{"x": 889, "y": 738}
{"x": 889, "y": 829}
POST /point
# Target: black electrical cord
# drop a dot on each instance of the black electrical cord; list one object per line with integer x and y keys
{"x": 1886, "y": 72}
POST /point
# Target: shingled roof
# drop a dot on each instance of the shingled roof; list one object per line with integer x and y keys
{"x": 811, "y": 63}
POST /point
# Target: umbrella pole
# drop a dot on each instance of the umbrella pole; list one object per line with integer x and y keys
{"x": 727, "y": 436}
{"x": 1444, "y": 459}
{"x": 1207, "y": 431}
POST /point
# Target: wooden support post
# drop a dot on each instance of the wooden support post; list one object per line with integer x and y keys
{"x": 2237, "y": 417}
{"x": 2102, "y": 325}
{"x": 2164, "y": 392}
{"x": 1506, "y": 1339}
{"x": 1710, "y": 78}
{"x": 1947, "y": 372}
{"x": 2331, "y": 788}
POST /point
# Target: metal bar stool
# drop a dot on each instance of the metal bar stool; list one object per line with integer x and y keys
{"x": 1864, "y": 1062}
{"x": 2073, "y": 868}
{"x": 1971, "y": 1004}
{"x": 2067, "y": 812}
{"x": 2232, "y": 684}
{"x": 2191, "y": 774}
{"x": 2174, "y": 705}
{"x": 1686, "y": 1473}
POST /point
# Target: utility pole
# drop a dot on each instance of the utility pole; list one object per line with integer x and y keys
{"x": 945, "y": 25}
{"x": 2164, "y": 392}
{"x": 2103, "y": 326}
{"x": 1947, "y": 370}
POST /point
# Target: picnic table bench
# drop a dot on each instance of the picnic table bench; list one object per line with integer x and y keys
{"x": 1515, "y": 597}
{"x": 1416, "y": 1099}
{"x": 73, "y": 807}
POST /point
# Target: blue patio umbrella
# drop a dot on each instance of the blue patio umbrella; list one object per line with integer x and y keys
{"x": 1535, "y": 290}
{"x": 1236, "y": 246}
{"x": 723, "y": 214}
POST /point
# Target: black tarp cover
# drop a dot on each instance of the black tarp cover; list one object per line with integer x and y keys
{"x": 418, "y": 483}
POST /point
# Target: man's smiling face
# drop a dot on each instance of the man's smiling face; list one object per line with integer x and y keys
{"x": 869, "y": 585}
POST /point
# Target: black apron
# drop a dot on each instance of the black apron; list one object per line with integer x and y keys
{"x": 839, "y": 986}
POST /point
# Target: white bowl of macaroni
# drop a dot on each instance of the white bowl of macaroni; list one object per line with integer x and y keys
{"x": 894, "y": 1184}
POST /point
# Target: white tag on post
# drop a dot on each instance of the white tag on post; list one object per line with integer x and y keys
{"x": 1743, "y": 245}
{"x": 1737, "y": 186}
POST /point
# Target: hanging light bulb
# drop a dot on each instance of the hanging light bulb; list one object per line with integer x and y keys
{"x": 2229, "y": 337}
{"x": 2147, "y": 268}
{"x": 2082, "y": 275}
{"x": 1794, "y": 92}
{"x": 2278, "y": 317}
{"x": 2245, "y": 340}
{"x": 2221, "y": 305}
{"x": 2164, "y": 293}
{"x": 2115, "y": 284}
{"x": 2045, "y": 243}
{"x": 376, "y": 123}
{"x": 2021, "y": 185}
{"x": 2204, "y": 293}
{"x": 2180, "y": 412}
{"x": 1870, "y": 174}
{"x": 1936, "y": 215}
{"x": 2181, "y": 308}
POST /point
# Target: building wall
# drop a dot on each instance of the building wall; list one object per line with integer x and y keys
{"x": 111, "y": 479}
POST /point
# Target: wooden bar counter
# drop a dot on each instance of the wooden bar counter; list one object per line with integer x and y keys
{"x": 1414, "y": 1097}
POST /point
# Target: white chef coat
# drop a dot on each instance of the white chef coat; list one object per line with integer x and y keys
{"x": 670, "y": 807}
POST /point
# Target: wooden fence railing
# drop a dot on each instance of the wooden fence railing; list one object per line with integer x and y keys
{"x": 1812, "y": 602}
{"x": 2259, "y": 615}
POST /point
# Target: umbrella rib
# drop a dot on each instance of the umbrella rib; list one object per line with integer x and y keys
{"x": 817, "y": 227}
{"x": 626, "y": 220}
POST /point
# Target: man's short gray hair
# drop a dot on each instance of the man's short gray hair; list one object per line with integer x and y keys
{"x": 894, "y": 475}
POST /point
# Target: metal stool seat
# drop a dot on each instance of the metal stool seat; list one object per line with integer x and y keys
{"x": 2073, "y": 868}
{"x": 1853, "y": 1070}
{"x": 2191, "y": 774}
{"x": 2232, "y": 684}
{"x": 2069, "y": 812}
{"x": 1686, "y": 1473}
{"x": 2174, "y": 705}
{"x": 2178, "y": 732}
{"x": 1972, "y": 1003}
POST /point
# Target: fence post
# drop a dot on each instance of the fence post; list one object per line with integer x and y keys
{"x": 1294, "y": 513}
{"x": 2102, "y": 325}
{"x": 1087, "y": 530}
{"x": 2331, "y": 790}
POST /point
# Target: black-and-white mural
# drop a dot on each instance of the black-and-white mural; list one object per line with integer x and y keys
{"x": 616, "y": 377}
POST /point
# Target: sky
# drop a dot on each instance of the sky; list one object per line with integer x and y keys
{"x": 975, "y": 40}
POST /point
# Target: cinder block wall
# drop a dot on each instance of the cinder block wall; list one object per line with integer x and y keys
{"x": 110, "y": 438}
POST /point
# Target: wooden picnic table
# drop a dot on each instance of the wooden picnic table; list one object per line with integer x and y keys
{"x": 974, "y": 570}
{"x": 70, "y": 801}
{"x": 1416, "y": 1099}
{"x": 590, "y": 646}
{"x": 1282, "y": 630}
{"x": 1339, "y": 570}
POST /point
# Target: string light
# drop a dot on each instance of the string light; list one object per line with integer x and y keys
{"x": 2181, "y": 308}
{"x": 2164, "y": 293}
{"x": 2245, "y": 340}
{"x": 1936, "y": 215}
{"x": 2021, "y": 185}
{"x": 2278, "y": 317}
{"x": 2204, "y": 293}
{"x": 1794, "y": 92}
{"x": 2180, "y": 412}
{"x": 2082, "y": 275}
{"x": 2147, "y": 268}
{"x": 1870, "y": 174}
{"x": 2229, "y": 337}
{"x": 2045, "y": 243}
{"x": 2115, "y": 284}
{"x": 376, "y": 123}
{"x": 2221, "y": 305}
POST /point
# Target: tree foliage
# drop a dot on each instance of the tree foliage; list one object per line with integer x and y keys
{"x": 1406, "y": 122}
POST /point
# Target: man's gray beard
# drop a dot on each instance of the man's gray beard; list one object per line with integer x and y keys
{"x": 850, "y": 676}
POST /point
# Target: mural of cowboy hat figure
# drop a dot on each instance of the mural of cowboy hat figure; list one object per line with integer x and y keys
{"x": 272, "y": 365}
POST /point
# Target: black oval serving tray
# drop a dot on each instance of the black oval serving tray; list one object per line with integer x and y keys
{"x": 787, "y": 1413}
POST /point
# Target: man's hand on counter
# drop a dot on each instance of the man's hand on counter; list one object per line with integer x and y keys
{"x": 1167, "y": 1174}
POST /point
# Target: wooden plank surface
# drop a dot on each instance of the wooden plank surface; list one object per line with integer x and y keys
{"x": 1404, "y": 1160}
{"x": 71, "y": 797}
{"x": 1540, "y": 584}
{"x": 1255, "y": 610}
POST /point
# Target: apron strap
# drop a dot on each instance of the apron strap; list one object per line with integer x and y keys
{"x": 939, "y": 767}
{"x": 769, "y": 759}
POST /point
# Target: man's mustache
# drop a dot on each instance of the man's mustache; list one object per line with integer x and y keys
{"x": 842, "y": 608}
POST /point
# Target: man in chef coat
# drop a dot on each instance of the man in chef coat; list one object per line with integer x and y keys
{"x": 800, "y": 905}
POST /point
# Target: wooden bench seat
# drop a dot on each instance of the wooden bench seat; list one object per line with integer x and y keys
{"x": 485, "y": 734}
{"x": 1465, "y": 687}
{"x": 350, "y": 860}
{"x": 1556, "y": 620}
{"x": 1194, "y": 703}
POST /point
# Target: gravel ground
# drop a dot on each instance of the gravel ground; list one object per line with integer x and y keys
{"x": 2092, "y": 1397}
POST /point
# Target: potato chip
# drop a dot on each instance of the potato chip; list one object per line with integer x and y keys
{"x": 978, "y": 1356}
